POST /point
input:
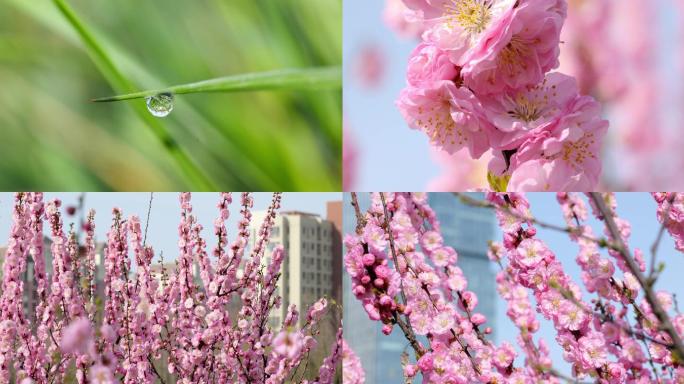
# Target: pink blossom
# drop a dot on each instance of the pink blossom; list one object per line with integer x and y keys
{"x": 443, "y": 322}
{"x": 516, "y": 114}
{"x": 352, "y": 371}
{"x": 403, "y": 21}
{"x": 504, "y": 355}
{"x": 458, "y": 26}
{"x": 287, "y": 343}
{"x": 452, "y": 117}
{"x": 518, "y": 51}
{"x": 531, "y": 252}
{"x": 592, "y": 350}
{"x": 598, "y": 336}
{"x": 77, "y": 336}
{"x": 349, "y": 160}
{"x": 317, "y": 310}
{"x": 100, "y": 374}
{"x": 142, "y": 319}
{"x": 571, "y": 316}
{"x": 369, "y": 66}
{"x": 429, "y": 64}
{"x": 563, "y": 156}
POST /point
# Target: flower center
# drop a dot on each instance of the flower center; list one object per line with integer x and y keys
{"x": 534, "y": 104}
{"x": 575, "y": 153}
{"x": 439, "y": 125}
{"x": 512, "y": 56}
{"x": 526, "y": 110}
{"x": 471, "y": 15}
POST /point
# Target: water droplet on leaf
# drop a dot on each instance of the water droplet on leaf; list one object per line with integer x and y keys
{"x": 160, "y": 105}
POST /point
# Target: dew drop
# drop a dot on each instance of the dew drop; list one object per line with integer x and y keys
{"x": 160, "y": 105}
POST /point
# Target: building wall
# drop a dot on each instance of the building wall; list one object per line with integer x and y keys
{"x": 334, "y": 215}
{"x": 468, "y": 229}
{"x": 307, "y": 268}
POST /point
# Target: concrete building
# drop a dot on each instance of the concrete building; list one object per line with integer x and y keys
{"x": 30, "y": 299}
{"x": 156, "y": 272}
{"x": 307, "y": 270}
{"x": 466, "y": 229}
{"x": 334, "y": 215}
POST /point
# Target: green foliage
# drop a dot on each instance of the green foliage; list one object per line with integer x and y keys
{"x": 52, "y": 65}
{"x": 287, "y": 79}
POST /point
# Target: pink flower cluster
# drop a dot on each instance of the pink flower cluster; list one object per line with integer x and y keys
{"x": 480, "y": 80}
{"x": 671, "y": 213}
{"x": 352, "y": 370}
{"x": 597, "y": 338}
{"x": 403, "y": 273}
{"x": 210, "y": 329}
{"x": 406, "y": 277}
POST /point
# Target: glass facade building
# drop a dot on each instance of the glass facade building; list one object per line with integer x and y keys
{"x": 465, "y": 228}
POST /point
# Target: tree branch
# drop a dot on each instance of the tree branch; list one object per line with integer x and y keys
{"x": 656, "y": 243}
{"x": 665, "y": 322}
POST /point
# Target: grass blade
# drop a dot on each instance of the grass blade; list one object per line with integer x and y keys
{"x": 251, "y": 175}
{"x": 287, "y": 79}
{"x": 195, "y": 177}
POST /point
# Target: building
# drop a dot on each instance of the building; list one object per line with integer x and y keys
{"x": 468, "y": 229}
{"x": 30, "y": 299}
{"x": 157, "y": 272}
{"x": 307, "y": 269}
{"x": 465, "y": 228}
{"x": 334, "y": 215}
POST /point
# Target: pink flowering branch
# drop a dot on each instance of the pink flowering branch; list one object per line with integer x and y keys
{"x": 187, "y": 328}
{"x": 650, "y": 295}
{"x": 400, "y": 267}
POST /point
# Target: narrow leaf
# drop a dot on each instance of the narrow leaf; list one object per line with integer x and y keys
{"x": 287, "y": 79}
{"x": 194, "y": 175}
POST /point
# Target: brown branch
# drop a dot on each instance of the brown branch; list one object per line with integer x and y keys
{"x": 405, "y": 327}
{"x": 665, "y": 322}
{"x": 149, "y": 358}
{"x": 147, "y": 221}
{"x": 656, "y": 243}
{"x": 485, "y": 204}
{"x": 604, "y": 318}
{"x": 360, "y": 220}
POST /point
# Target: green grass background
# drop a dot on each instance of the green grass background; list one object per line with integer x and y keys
{"x": 54, "y": 138}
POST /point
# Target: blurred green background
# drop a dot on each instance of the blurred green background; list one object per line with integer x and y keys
{"x": 54, "y": 138}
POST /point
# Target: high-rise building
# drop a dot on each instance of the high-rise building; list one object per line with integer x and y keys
{"x": 334, "y": 215}
{"x": 468, "y": 229}
{"x": 30, "y": 299}
{"x": 307, "y": 270}
{"x": 465, "y": 228}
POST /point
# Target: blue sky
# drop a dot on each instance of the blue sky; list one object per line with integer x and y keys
{"x": 393, "y": 157}
{"x": 165, "y": 214}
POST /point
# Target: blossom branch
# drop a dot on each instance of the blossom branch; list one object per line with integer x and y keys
{"x": 653, "y": 301}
